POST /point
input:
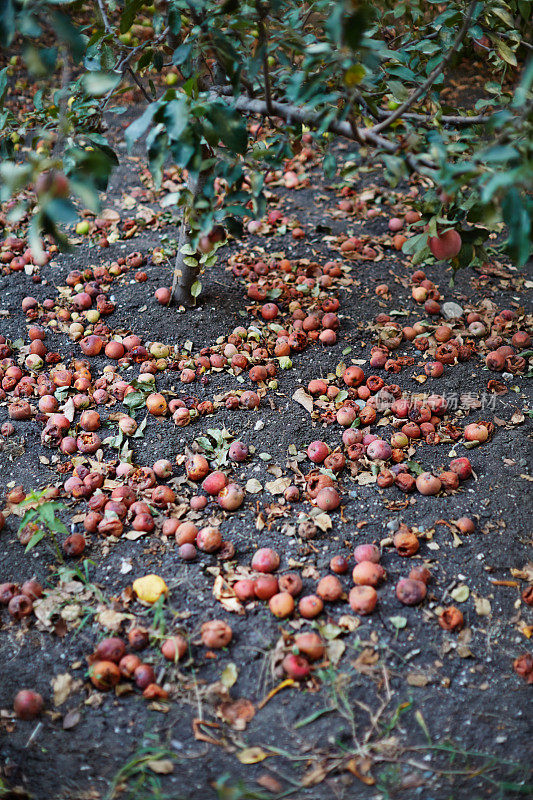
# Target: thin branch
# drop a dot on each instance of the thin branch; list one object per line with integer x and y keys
{"x": 139, "y": 84}
{"x": 459, "y": 120}
{"x": 432, "y": 77}
{"x": 262, "y": 43}
{"x": 123, "y": 66}
{"x": 66, "y": 74}
{"x": 103, "y": 13}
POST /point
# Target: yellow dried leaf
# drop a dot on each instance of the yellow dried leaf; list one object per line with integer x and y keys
{"x": 229, "y": 675}
{"x": 461, "y": 593}
{"x": 251, "y": 755}
{"x": 278, "y": 486}
{"x": 149, "y": 588}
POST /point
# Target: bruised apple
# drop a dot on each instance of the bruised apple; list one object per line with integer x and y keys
{"x": 216, "y": 634}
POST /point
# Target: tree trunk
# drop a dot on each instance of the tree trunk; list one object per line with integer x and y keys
{"x": 185, "y": 275}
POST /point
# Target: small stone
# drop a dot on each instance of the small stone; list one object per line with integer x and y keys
{"x": 451, "y": 310}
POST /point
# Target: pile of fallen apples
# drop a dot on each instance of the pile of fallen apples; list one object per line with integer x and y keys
{"x": 294, "y": 305}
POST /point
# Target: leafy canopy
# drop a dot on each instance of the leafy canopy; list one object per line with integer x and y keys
{"x": 371, "y": 74}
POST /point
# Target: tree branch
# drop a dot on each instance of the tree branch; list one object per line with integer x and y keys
{"x": 459, "y": 120}
{"x": 433, "y": 75}
{"x": 314, "y": 119}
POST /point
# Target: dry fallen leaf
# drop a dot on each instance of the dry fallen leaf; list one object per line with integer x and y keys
{"x": 417, "y": 679}
{"x": 482, "y": 606}
{"x": 304, "y": 399}
{"x": 461, "y": 593}
{"x": 161, "y": 766}
{"x": 361, "y": 769}
{"x": 365, "y": 478}
{"x": 112, "y": 620}
{"x": 71, "y": 719}
{"x": 63, "y": 686}
{"x": 314, "y": 775}
{"x": 335, "y": 651}
{"x": 226, "y": 596}
{"x": 278, "y": 486}
{"x": 253, "y": 486}
{"x": 365, "y": 661}
{"x": 323, "y": 521}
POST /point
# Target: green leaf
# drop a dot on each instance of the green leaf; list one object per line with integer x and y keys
{"x": 181, "y": 54}
{"x": 35, "y": 539}
{"x": 58, "y": 527}
{"x": 176, "y": 117}
{"x": 415, "y": 467}
{"x": 415, "y": 243}
{"x": 29, "y": 515}
{"x": 99, "y": 83}
{"x": 506, "y": 53}
{"x": 128, "y": 15}
{"x": 329, "y": 165}
{"x": 134, "y": 400}
{"x": 230, "y": 127}
{"x": 7, "y": 22}
{"x": 60, "y": 210}
{"x": 145, "y": 59}
{"x": 524, "y": 7}
{"x": 312, "y": 717}
{"x": 140, "y": 125}
{"x": 69, "y": 34}
{"x": 504, "y": 15}
{"x": 174, "y": 19}
{"x": 354, "y": 28}
{"x": 40, "y": 61}
{"x": 517, "y": 212}
{"x": 196, "y": 288}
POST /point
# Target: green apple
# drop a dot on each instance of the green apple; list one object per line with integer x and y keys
{"x": 82, "y": 228}
{"x": 171, "y": 79}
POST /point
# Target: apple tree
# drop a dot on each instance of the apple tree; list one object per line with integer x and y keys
{"x": 231, "y": 89}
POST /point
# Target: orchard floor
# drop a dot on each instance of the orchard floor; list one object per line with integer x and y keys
{"x": 408, "y": 710}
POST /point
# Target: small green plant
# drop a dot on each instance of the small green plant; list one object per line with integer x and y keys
{"x": 139, "y": 777}
{"x": 239, "y": 791}
{"x": 216, "y": 444}
{"x": 41, "y": 514}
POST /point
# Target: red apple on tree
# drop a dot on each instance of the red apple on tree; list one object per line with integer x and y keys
{"x": 446, "y": 245}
